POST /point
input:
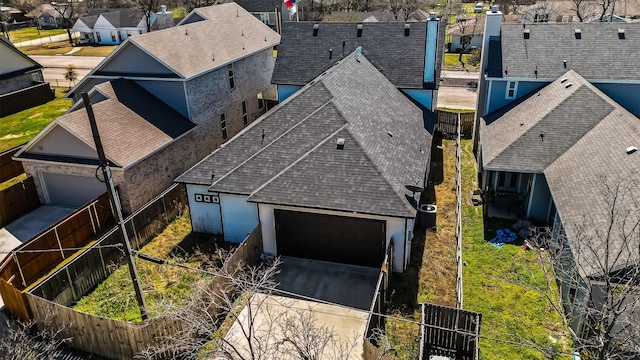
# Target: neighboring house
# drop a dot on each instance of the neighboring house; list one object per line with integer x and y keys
{"x": 408, "y": 54}
{"x": 325, "y": 173}
{"x": 47, "y": 17}
{"x": 558, "y": 149}
{"x": 112, "y": 26}
{"x": 21, "y": 82}
{"x": 268, "y": 11}
{"x": 517, "y": 60}
{"x": 212, "y": 71}
{"x": 466, "y": 33}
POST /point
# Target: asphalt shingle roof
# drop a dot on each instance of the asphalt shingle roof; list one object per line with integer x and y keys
{"x": 303, "y": 56}
{"x": 132, "y": 123}
{"x": 228, "y": 33}
{"x": 583, "y": 152}
{"x": 259, "y": 5}
{"x": 123, "y": 18}
{"x": 599, "y": 54}
{"x": 297, "y": 163}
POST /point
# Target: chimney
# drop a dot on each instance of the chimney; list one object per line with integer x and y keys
{"x": 492, "y": 27}
{"x": 164, "y": 18}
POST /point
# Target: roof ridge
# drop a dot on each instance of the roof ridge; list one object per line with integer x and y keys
{"x": 269, "y": 144}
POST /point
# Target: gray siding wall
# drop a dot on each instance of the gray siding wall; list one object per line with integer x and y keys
{"x": 170, "y": 92}
{"x": 627, "y": 95}
{"x": 540, "y": 200}
{"x": 132, "y": 60}
{"x": 15, "y": 83}
{"x": 60, "y": 142}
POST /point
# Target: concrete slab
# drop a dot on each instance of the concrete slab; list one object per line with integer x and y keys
{"x": 25, "y": 227}
{"x": 343, "y": 284}
{"x": 462, "y": 98}
{"x": 268, "y": 310}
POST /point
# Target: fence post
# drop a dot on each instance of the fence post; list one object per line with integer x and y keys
{"x": 55, "y": 230}
{"x": 15, "y": 258}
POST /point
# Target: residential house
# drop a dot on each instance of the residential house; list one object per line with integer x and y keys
{"x": 408, "y": 54}
{"x": 466, "y": 33}
{"x": 517, "y": 59}
{"x": 21, "y": 82}
{"x": 268, "y": 11}
{"x": 556, "y": 129}
{"x": 47, "y": 17}
{"x": 112, "y": 26}
{"x": 212, "y": 72}
{"x": 325, "y": 173}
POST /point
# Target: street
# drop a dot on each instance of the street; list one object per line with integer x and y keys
{"x": 54, "y": 67}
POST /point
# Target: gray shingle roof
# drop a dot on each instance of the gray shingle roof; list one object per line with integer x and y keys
{"x": 123, "y": 18}
{"x": 599, "y": 54}
{"x": 259, "y": 5}
{"x": 584, "y": 149}
{"x": 229, "y": 33}
{"x": 297, "y": 163}
{"x": 302, "y": 56}
{"x": 511, "y": 137}
{"x": 89, "y": 20}
{"x": 132, "y": 123}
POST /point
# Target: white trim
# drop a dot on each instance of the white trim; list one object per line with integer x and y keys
{"x": 43, "y": 187}
{"x": 550, "y": 203}
{"x": 49, "y": 162}
{"x": 186, "y": 100}
{"x": 488, "y": 99}
{"x": 533, "y": 186}
{"x": 515, "y": 90}
{"x": 547, "y": 80}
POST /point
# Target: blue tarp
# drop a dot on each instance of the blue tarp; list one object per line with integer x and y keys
{"x": 504, "y": 236}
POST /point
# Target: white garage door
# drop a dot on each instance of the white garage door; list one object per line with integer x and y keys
{"x": 71, "y": 190}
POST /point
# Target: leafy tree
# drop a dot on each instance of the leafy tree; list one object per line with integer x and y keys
{"x": 70, "y": 74}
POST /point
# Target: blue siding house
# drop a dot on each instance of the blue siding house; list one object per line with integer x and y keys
{"x": 408, "y": 54}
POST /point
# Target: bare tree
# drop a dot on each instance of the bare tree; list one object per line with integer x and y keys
{"x": 402, "y": 9}
{"x": 17, "y": 341}
{"x": 468, "y": 27}
{"x": 69, "y": 13}
{"x": 596, "y": 263}
{"x": 264, "y": 325}
{"x": 583, "y": 9}
{"x": 70, "y": 74}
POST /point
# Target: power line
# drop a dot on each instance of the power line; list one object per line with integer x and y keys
{"x": 60, "y": 249}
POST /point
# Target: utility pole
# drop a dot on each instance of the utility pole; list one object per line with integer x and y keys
{"x": 115, "y": 204}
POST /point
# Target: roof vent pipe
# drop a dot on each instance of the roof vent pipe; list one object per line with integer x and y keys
{"x": 163, "y": 9}
{"x": 631, "y": 150}
{"x": 330, "y": 53}
{"x": 495, "y": 9}
{"x": 433, "y": 16}
{"x": 340, "y": 144}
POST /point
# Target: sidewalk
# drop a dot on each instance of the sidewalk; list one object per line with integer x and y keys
{"x": 46, "y": 40}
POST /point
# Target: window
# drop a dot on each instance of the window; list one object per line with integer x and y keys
{"x": 223, "y": 126}
{"x": 113, "y": 36}
{"x": 232, "y": 82}
{"x": 260, "y": 101}
{"x": 245, "y": 118}
{"x": 501, "y": 179}
{"x": 37, "y": 77}
{"x": 538, "y": 18}
{"x": 512, "y": 87}
{"x": 99, "y": 37}
{"x": 264, "y": 17}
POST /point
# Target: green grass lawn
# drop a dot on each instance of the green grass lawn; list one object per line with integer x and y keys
{"x": 9, "y": 183}
{"x": 27, "y": 34}
{"x": 452, "y": 62}
{"x": 497, "y": 283}
{"x": 162, "y": 284}
{"x": 63, "y": 47}
{"x": 21, "y": 127}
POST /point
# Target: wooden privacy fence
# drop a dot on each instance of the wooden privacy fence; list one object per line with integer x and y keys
{"x": 450, "y": 332}
{"x": 377, "y": 308}
{"x": 29, "y": 262}
{"x": 447, "y": 123}
{"x": 85, "y": 271}
{"x": 118, "y": 339}
{"x": 10, "y": 168}
{"x": 18, "y": 200}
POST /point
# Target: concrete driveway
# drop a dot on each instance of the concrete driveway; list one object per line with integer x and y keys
{"x": 352, "y": 286}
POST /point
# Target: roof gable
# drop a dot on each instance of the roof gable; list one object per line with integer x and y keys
{"x": 134, "y": 61}
{"x": 13, "y": 60}
{"x": 132, "y": 123}
{"x": 59, "y": 141}
{"x": 386, "y": 147}
{"x": 263, "y": 6}
{"x": 536, "y": 132}
{"x": 228, "y": 33}
{"x": 598, "y": 54}
{"x": 303, "y": 56}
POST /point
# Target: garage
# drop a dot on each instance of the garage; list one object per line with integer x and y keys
{"x": 332, "y": 238}
{"x": 71, "y": 190}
